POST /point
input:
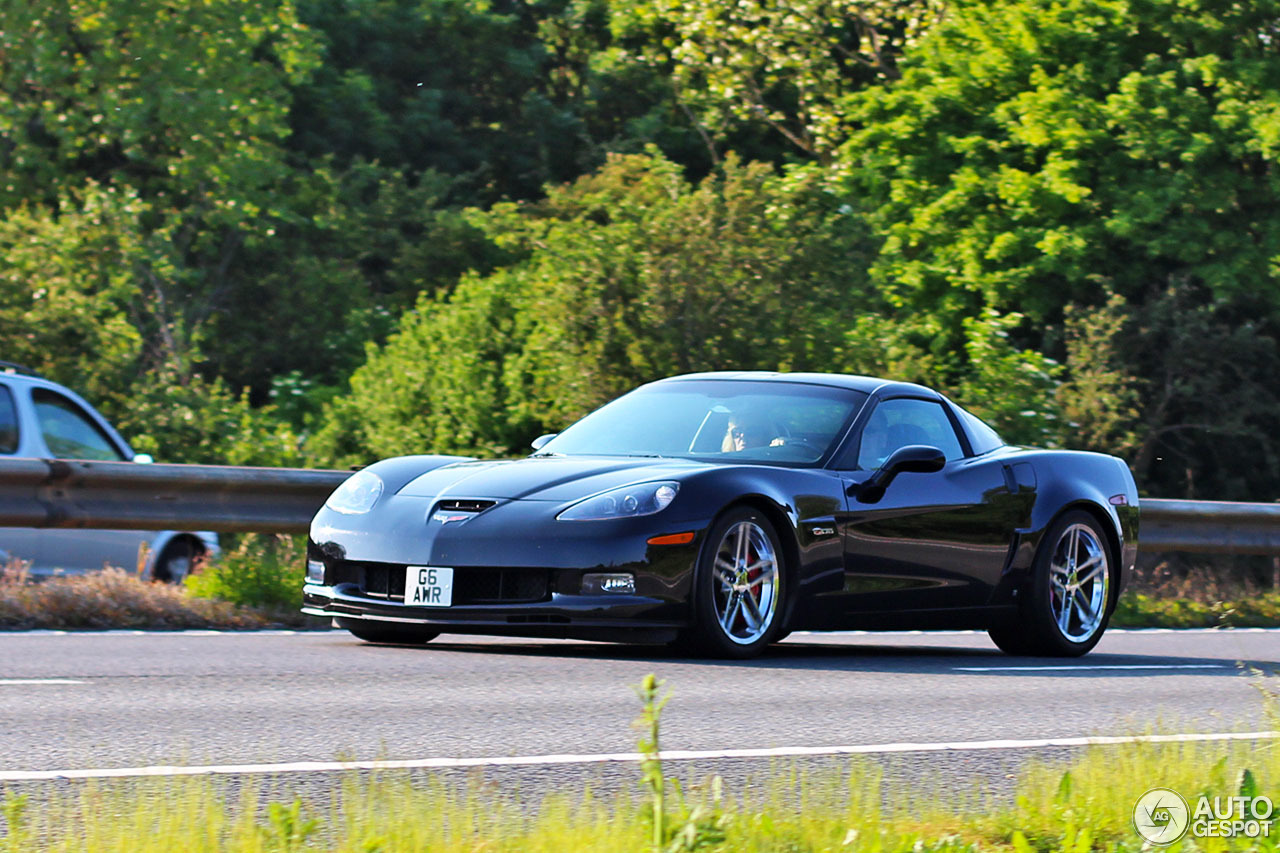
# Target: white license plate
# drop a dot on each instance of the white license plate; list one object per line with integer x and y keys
{"x": 428, "y": 586}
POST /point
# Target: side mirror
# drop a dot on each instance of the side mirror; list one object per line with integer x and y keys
{"x": 912, "y": 459}
{"x": 539, "y": 442}
{"x": 143, "y": 458}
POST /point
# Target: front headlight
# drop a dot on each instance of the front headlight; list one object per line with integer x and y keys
{"x": 627, "y": 502}
{"x": 357, "y": 494}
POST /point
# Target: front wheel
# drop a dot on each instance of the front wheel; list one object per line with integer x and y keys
{"x": 1069, "y": 599}
{"x": 177, "y": 560}
{"x": 387, "y": 632}
{"x": 739, "y": 586}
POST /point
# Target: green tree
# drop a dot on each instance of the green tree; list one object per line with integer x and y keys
{"x": 449, "y": 85}
{"x": 193, "y": 420}
{"x": 1105, "y": 168}
{"x": 1038, "y": 153}
{"x": 66, "y": 286}
{"x": 1206, "y": 371}
{"x": 625, "y": 276}
{"x": 1013, "y": 388}
{"x": 141, "y": 162}
{"x": 185, "y": 103}
{"x": 1101, "y": 398}
{"x": 354, "y": 253}
{"x": 789, "y": 67}
{"x": 180, "y": 108}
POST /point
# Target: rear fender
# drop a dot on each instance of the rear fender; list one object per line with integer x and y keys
{"x": 1097, "y": 483}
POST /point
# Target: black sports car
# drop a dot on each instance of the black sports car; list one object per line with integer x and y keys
{"x": 721, "y": 511}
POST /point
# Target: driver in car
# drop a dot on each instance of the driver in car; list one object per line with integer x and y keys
{"x": 746, "y": 431}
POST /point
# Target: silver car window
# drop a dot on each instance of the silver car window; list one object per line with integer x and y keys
{"x": 68, "y": 432}
{"x": 8, "y": 422}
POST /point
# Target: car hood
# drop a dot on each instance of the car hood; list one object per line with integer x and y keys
{"x": 543, "y": 478}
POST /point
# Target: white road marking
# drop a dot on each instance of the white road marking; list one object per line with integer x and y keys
{"x": 1087, "y": 667}
{"x": 14, "y": 681}
{"x": 617, "y": 757}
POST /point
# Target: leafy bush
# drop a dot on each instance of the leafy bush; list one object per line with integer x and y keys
{"x": 203, "y": 422}
{"x": 264, "y": 572}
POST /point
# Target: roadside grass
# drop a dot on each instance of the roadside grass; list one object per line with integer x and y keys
{"x": 1081, "y": 806}
{"x": 254, "y": 583}
{"x": 1145, "y": 610}
{"x": 111, "y": 598}
{"x": 1201, "y": 591}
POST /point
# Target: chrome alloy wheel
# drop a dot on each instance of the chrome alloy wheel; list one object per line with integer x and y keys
{"x": 745, "y": 589}
{"x": 1079, "y": 581}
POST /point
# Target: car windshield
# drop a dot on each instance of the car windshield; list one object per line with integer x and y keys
{"x": 729, "y": 420}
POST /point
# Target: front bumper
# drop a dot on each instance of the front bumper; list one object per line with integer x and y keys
{"x": 557, "y": 611}
{"x": 516, "y": 570}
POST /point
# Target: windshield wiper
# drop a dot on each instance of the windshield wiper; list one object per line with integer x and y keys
{"x": 646, "y": 455}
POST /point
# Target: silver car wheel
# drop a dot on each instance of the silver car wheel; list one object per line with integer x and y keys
{"x": 745, "y": 587}
{"x": 1079, "y": 582}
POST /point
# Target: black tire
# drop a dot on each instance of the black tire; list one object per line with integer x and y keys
{"x": 1011, "y": 638}
{"x": 177, "y": 560}
{"x": 720, "y": 627}
{"x": 387, "y": 632}
{"x": 1074, "y": 569}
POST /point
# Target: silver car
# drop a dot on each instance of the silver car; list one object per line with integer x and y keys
{"x": 42, "y": 419}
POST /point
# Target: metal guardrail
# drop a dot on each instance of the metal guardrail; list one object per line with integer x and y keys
{"x": 130, "y": 496}
{"x": 1209, "y": 527}
{"x": 225, "y": 499}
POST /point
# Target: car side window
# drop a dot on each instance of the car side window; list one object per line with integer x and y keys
{"x": 897, "y": 423}
{"x": 8, "y": 421}
{"x": 68, "y": 432}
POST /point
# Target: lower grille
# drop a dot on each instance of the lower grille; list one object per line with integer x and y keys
{"x": 470, "y": 586}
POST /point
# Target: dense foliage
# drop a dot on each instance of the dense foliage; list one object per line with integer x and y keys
{"x": 323, "y": 231}
{"x": 1054, "y": 156}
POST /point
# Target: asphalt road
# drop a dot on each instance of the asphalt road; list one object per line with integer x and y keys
{"x": 122, "y": 699}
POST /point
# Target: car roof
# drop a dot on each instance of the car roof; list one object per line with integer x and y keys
{"x": 865, "y": 384}
{"x": 17, "y": 375}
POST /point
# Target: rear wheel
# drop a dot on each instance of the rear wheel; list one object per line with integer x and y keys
{"x": 388, "y": 632}
{"x": 1069, "y": 599}
{"x": 739, "y": 586}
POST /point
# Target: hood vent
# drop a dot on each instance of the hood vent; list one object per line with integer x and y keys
{"x": 456, "y": 510}
{"x": 464, "y": 506}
